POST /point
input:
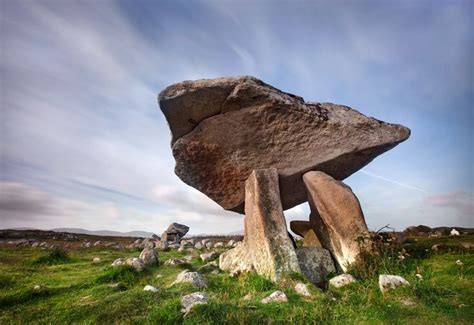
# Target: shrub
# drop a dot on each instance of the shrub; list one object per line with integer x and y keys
{"x": 56, "y": 256}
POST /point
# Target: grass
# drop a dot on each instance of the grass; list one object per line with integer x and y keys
{"x": 75, "y": 290}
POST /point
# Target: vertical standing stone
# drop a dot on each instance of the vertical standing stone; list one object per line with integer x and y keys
{"x": 266, "y": 235}
{"x": 266, "y": 247}
{"x": 336, "y": 215}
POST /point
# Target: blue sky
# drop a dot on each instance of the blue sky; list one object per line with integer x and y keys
{"x": 84, "y": 143}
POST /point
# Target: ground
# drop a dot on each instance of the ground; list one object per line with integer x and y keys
{"x": 73, "y": 289}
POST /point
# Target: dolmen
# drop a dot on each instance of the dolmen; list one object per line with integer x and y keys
{"x": 256, "y": 150}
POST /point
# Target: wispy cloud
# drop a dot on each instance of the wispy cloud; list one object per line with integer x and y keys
{"x": 405, "y": 185}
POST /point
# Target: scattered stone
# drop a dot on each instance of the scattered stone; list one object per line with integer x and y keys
{"x": 37, "y": 287}
{"x": 230, "y": 243}
{"x": 150, "y": 288}
{"x": 193, "y": 299}
{"x": 136, "y": 263}
{"x": 407, "y": 302}
{"x": 206, "y": 257}
{"x": 219, "y": 244}
{"x": 458, "y": 262}
{"x": 267, "y": 248}
{"x": 454, "y": 232}
{"x": 342, "y": 280}
{"x": 198, "y": 245}
{"x": 208, "y": 267}
{"x": 216, "y": 271}
{"x": 194, "y": 278}
{"x": 277, "y": 296}
{"x": 436, "y": 247}
{"x": 204, "y": 241}
{"x": 181, "y": 249}
{"x": 209, "y": 245}
{"x": 118, "y": 262}
{"x": 117, "y": 286}
{"x": 388, "y": 282}
{"x": 174, "y": 262}
{"x": 419, "y": 276}
{"x": 159, "y": 275}
{"x": 149, "y": 255}
{"x": 188, "y": 258}
{"x": 337, "y": 216}
{"x": 467, "y": 245}
{"x": 315, "y": 263}
{"x": 164, "y": 245}
{"x": 302, "y": 289}
{"x": 247, "y": 297}
{"x": 96, "y": 260}
{"x": 237, "y": 243}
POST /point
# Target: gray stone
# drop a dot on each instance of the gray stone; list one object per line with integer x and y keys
{"x": 277, "y": 296}
{"x": 206, "y": 257}
{"x": 389, "y": 282}
{"x": 193, "y": 299}
{"x": 194, "y": 278}
{"x": 136, "y": 263}
{"x": 175, "y": 262}
{"x": 315, "y": 263}
{"x": 342, "y": 280}
{"x": 149, "y": 255}
{"x": 302, "y": 290}
{"x": 118, "y": 262}
{"x": 150, "y": 288}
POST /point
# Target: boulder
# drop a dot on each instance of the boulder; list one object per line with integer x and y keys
{"x": 136, "y": 263}
{"x": 277, "y": 296}
{"x": 388, "y": 282}
{"x": 207, "y": 257}
{"x": 223, "y": 129}
{"x": 302, "y": 290}
{"x": 194, "y": 278}
{"x": 300, "y": 227}
{"x": 236, "y": 259}
{"x": 342, "y": 280}
{"x": 149, "y": 255}
{"x": 193, "y": 299}
{"x": 219, "y": 244}
{"x": 174, "y": 232}
{"x": 267, "y": 247}
{"x": 337, "y": 217}
{"x": 315, "y": 263}
{"x": 198, "y": 245}
{"x": 175, "y": 262}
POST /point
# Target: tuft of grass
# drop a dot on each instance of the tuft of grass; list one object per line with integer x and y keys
{"x": 123, "y": 274}
{"x": 56, "y": 256}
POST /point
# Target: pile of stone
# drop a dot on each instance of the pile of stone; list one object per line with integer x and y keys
{"x": 148, "y": 256}
{"x": 255, "y": 149}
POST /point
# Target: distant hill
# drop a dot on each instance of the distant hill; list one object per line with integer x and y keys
{"x": 136, "y": 233}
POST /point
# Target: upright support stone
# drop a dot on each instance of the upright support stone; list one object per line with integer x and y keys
{"x": 336, "y": 215}
{"x": 266, "y": 246}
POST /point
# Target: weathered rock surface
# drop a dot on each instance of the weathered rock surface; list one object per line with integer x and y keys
{"x": 315, "y": 263}
{"x": 194, "y": 278}
{"x": 336, "y": 215}
{"x": 150, "y": 288}
{"x": 206, "y": 257}
{"x": 267, "y": 247}
{"x": 237, "y": 259}
{"x": 300, "y": 227}
{"x": 174, "y": 232}
{"x": 342, "y": 280}
{"x": 175, "y": 262}
{"x": 388, "y": 282}
{"x": 223, "y": 129}
{"x": 149, "y": 255}
{"x": 302, "y": 289}
{"x": 193, "y": 299}
{"x": 136, "y": 263}
{"x": 277, "y": 296}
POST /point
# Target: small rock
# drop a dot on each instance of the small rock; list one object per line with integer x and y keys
{"x": 458, "y": 262}
{"x": 198, "y": 245}
{"x": 136, "y": 263}
{"x": 277, "y": 296}
{"x": 436, "y": 247}
{"x": 149, "y": 255}
{"x": 388, "y": 282}
{"x": 209, "y": 245}
{"x": 204, "y": 242}
{"x": 419, "y": 276}
{"x": 247, "y": 297}
{"x": 467, "y": 245}
{"x": 407, "y": 302}
{"x": 342, "y": 280}
{"x": 302, "y": 289}
{"x": 181, "y": 249}
{"x": 118, "y": 262}
{"x": 96, "y": 260}
{"x": 188, "y": 258}
{"x": 216, "y": 271}
{"x": 193, "y": 299}
{"x": 219, "y": 244}
{"x": 206, "y": 257}
{"x": 150, "y": 288}
{"x": 194, "y": 278}
{"x": 37, "y": 287}
{"x": 208, "y": 267}
{"x": 118, "y": 286}
{"x": 174, "y": 245}
{"x": 174, "y": 262}
{"x": 230, "y": 243}
{"x": 159, "y": 275}
{"x": 454, "y": 232}
{"x": 97, "y": 243}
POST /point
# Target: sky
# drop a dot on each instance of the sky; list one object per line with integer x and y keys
{"x": 84, "y": 144}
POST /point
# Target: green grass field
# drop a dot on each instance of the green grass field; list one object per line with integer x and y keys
{"x": 75, "y": 290}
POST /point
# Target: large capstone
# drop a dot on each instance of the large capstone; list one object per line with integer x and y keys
{"x": 223, "y": 129}
{"x": 174, "y": 232}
